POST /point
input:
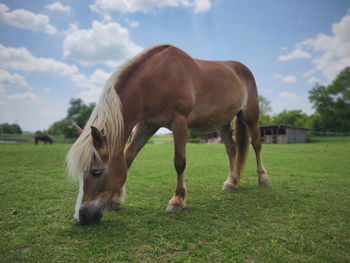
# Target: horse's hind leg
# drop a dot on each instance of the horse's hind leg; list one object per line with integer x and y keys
{"x": 179, "y": 129}
{"x": 225, "y": 133}
{"x": 256, "y": 143}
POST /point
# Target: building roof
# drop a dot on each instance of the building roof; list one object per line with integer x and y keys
{"x": 283, "y": 126}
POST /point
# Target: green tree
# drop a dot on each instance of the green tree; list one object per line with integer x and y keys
{"x": 38, "y": 132}
{"x": 78, "y": 113}
{"x": 193, "y": 135}
{"x": 265, "y": 111}
{"x": 57, "y": 127}
{"x": 10, "y": 128}
{"x": 6, "y": 128}
{"x": 292, "y": 117}
{"x": 332, "y": 104}
{"x": 16, "y": 128}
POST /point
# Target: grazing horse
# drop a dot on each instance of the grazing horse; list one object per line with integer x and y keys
{"x": 44, "y": 138}
{"x": 162, "y": 87}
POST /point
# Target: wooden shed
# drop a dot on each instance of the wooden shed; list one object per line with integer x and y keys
{"x": 282, "y": 133}
{"x": 209, "y": 137}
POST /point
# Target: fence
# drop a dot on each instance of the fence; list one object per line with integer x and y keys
{"x": 328, "y": 134}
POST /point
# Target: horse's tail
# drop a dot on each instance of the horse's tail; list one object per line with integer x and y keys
{"x": 242, "y": 143}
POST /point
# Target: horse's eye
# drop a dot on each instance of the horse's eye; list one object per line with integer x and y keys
{"x": 97, "y": 172}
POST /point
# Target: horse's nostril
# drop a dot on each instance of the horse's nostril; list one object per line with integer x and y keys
{"x": 90, "y": 215}
{"x": 96, "y": 217}
{"x": 82, "y": 216}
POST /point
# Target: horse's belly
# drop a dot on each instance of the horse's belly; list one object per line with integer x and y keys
{"x": 215, "y": 107}
{"x": 209, "y": 121}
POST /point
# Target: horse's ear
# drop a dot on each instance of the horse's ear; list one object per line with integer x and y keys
{"x": 96, "y": 137}
{"x": 78, "y": 129}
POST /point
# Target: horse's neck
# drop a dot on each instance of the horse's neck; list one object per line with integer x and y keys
{"x": 130, "y": 115}
{"x": 128, "y": 127}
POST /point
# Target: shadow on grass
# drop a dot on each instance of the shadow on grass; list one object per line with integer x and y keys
{"x": 136, "y": 220}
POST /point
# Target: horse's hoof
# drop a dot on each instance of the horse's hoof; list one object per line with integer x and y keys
{"x": 174, "y": 208}
{"x": 228, "y": 187}
{"x": 263, "y": 183}
{"x": 262, "y": 179}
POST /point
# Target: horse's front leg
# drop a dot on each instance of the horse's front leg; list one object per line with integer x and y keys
{"x": 179, "y": 129}
{"x": 142, "y": 134}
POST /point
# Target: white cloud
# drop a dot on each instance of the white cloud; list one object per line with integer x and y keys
{"x": 20, "y": 108}
{"x": 104, "y": 43}
{"x": 98, "y": 77}
{"x": 201, "y": 6}
{"x": 333, "y": 51}
{"x": 22, "y": 60}
{"x": 25, "y": 19}
{"x": 277, "y": 76}
{"x": 291, "y": 101}
{"x": 92, "y": 85}
{"x": 309, "y": 72}
{"x": 295, "y": 54}
{"x": 286, "y": 79}
{"x": 313, "y": 80}
{"x": 289, "y": 79}
{"x": 131, "y": 6}
{"x": 289, "y": 95}
{"x": 132, "y": 23}
{"x": 27, "y": 98}
{"x": 6, "y": 78}
{"x": 58, "y": 6}
{"x": 47, "y": 90}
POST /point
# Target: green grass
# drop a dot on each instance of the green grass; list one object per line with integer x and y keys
{"x": 303, "y": 216}
{"x": 29, "y": 138}
{"x": 329, "y": 138}
{"x": 162, "y": 138}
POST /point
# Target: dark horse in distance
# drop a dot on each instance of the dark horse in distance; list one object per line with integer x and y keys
{"x": 44, "y": 138}
{"x": 163, "y": 87}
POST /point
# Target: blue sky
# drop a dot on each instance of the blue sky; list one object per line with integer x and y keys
{"x": 52, "y": 51}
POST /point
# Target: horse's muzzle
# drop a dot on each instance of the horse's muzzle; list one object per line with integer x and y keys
{"x": 90, "y": 215}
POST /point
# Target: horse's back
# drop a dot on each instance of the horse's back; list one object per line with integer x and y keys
{"x": 167, "y": 80}
{"x": 209, "y": 93}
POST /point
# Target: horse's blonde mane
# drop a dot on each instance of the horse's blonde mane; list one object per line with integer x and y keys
{"x": 107, "y": 117}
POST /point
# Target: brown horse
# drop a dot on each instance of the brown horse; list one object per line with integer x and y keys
{"x": 162, "y": 87}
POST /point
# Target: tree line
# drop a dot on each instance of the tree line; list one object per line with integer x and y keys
{"x": 331, "y": 104}
{"x": 289, "y": 117}
{"x": 78, "y": 113}
{"x": 6, "y": 128}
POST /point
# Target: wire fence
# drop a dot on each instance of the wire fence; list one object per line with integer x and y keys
{"x": 328, "y": 134}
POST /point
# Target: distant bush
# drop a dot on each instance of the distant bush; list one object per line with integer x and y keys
{"x": 6, "y": 128}
{"x": 78, "y": 113}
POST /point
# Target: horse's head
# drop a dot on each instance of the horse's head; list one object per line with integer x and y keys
{"x": 102, "y": 182}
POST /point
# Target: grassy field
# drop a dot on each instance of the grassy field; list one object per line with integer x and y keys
{"x": 303, "y": 216}
{"x": 30, "y": 137}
